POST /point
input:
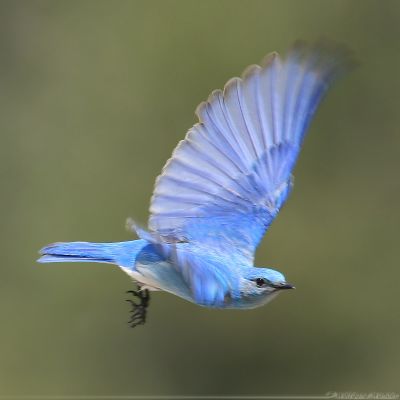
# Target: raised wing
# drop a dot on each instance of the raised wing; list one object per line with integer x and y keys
{"x": 226, "y": 182}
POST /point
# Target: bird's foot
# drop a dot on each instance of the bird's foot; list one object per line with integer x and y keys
{"x": 139, "y": 309}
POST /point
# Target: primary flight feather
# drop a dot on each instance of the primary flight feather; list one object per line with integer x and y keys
{"x": 223, "y": 186}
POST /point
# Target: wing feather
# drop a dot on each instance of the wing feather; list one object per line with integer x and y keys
{"x": 226, "y": 182}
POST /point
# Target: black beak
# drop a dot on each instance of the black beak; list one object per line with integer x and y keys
{"x": 283, "y": 286}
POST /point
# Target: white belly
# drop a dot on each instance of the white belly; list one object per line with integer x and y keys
{"x": 160, "y": 276}
{"x": 145, "y": 281}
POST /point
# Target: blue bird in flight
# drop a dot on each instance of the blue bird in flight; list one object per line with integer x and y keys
{"x": 222, "y": 188}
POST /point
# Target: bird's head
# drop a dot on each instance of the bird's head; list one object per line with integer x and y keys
{"x": 264, "y": 281}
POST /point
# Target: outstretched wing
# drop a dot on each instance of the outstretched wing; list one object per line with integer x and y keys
{"x": 227, "y": 180}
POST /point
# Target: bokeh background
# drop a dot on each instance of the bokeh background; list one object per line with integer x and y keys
{"x": 94, "y": 95}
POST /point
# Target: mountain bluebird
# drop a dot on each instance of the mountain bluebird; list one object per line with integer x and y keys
{"x": 222, "y": 188}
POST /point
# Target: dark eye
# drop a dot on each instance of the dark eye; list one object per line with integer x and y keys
{"x": 260, "y": 282}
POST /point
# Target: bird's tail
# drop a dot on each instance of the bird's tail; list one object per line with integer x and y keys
{"x": 120, "y": 253}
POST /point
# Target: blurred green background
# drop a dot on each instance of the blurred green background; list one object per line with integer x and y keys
{"x": 94, "y": 96}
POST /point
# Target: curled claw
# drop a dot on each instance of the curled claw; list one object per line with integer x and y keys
{"x": 139, "y": 309}
{"x": 134, "y": 304}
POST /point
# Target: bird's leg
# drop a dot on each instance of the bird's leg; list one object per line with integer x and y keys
{"x": 139, "y": 309}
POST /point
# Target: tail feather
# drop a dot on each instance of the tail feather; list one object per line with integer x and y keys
{"x": 120, "y": 253}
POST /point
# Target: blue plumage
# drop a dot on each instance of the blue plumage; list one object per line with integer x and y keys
{"x": 224, "y": 185}
{"x": 120, "y": 253}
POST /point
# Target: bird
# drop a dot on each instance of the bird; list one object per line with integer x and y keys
{"x": 223, "y": 187}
